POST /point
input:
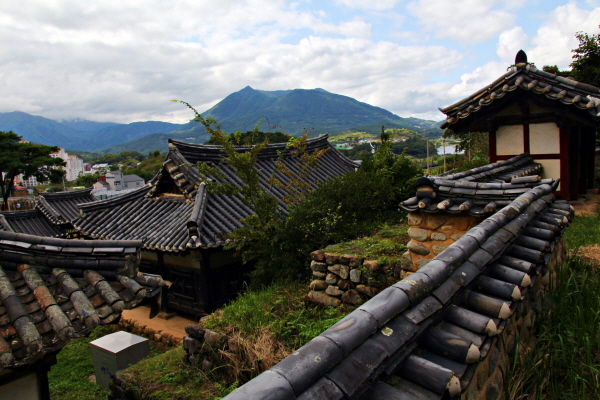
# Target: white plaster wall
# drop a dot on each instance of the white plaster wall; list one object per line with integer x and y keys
{"x": 551, "y": 169}
{"x": 544, "y": 138}
{"x": 509, "y": 140}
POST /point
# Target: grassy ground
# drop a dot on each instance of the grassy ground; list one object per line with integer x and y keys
{"x": 268, "y": 324}
{"x": 69, "y": 378}
{"x": 565, "y": 363}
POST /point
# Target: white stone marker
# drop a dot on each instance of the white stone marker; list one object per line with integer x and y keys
{"x": 115, "y": 352}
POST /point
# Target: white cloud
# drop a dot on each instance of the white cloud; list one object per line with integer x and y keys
{"x": 379, "y": 5}
{"x": 556, "y": 37}
{"x": 468, "y": 21}
{"x": 510, "y": 42}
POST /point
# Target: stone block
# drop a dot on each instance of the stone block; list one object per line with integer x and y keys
{"x": 438, "y": 248}
{"x": 418, "y": 234}
{"x": 318, "y": 284}
{"x": 335, "y": 268}
{"x": 434, "y": 221}
{"x": 344, "y": 271}
{"x": 333, "y": 291}
{"x": 344, "y": 284}
{"x": 320, "y": 275}
{"x": 405, "y": 274}
{"x": 495, "y": 387}
{"x": 318, "y": 255}
{"x": 370, "y": 291}
{"x": 457, "y": 236}
{"x": 213, "y": 338}
{"x": 346, "y": 259}
{"x": 353, "y": 297}
{"x": 194, "y": 330}
{"x": 331, "y": 279}
{"x": 332, "y": 258}
{"x": 372, "y": 265}
{"x": 422, "y": 262}
{"x": 322, "y": 298}
{"x": 415, "y": 218}
{"x": 418, "y": 248}
{"x": 447, "y": 228}
{"x": 318, "y": 266}
{"x": 438, "y": 236}
{"x": 355, "y": 262}
{"x": 355, "y": 275}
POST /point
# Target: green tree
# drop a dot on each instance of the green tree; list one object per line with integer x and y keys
{"x": 87, "y": 180}
{"x": 26, "y": 158}
{"x": 586, "y": 60}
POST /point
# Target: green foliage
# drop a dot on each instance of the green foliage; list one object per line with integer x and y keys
{"x": 148, "y": 168}
{"x": 586, "y": 59}
{"x": 125, "y": 157}
{"x": 256, "y": 137}
{"x": 87, "y": 180}
{"x": 28, "y": 159}
{"x": 281, "y": 309}
{"x": 68, "y": 379}
{"x": 386, "y": 245}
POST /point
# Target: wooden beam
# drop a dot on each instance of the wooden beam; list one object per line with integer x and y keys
{"x": 492, "y": 147}
{"x": 564, "y": 163}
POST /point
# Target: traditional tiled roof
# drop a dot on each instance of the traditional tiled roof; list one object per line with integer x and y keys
{"x": 61, "y": 207}
{"x": 479, "y": 191}
{"x": 521, "y": 80}
{"x": 51, "y": 290}
{"x": 32, "y": 222}
{"x": 176, "y": 211}
{"x": 423, "y": 337}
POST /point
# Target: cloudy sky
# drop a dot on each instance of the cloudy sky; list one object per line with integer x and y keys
{"x": 123, "y": 60}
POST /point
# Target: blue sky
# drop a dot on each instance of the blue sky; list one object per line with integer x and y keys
{"x": 123, "y": 60}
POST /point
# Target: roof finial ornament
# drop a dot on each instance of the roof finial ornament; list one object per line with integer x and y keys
{"x": 521, "y": 58}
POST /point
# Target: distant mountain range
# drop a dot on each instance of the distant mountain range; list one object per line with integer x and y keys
{"x": 292, "y": 111}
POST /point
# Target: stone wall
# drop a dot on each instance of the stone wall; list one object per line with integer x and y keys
{"x": 432, "y": 233}
{"x": 346, "y": 278}
{"x": 516, "y": 340}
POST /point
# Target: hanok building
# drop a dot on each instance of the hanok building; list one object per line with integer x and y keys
{"x": 52, "y": 216}
{"x": 184, "y": 226}
{"x": 528, "y": 110}
{"x": 52, "y": 290}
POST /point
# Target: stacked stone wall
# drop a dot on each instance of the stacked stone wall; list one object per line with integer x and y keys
{"x": 348, "y": 279}
{"x": 431, "y": 234}
{"x": 516, "y": 340}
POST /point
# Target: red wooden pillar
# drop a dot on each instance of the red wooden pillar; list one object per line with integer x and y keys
{"x": 564, "y": 164}
{"x": 492, "y": 147}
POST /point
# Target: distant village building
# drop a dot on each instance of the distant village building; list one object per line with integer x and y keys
{"x": 74, "y": 165}
{"x": 115, "y": 180}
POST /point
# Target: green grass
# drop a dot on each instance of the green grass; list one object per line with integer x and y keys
{"x": 68, "y": 379}
{"x": 282, "y": 309}
{"x": 386, "y": 245}
{"x": 565, "y": 363}
{"x": 272, "y": 321}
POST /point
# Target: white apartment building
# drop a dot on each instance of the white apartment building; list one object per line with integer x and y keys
{"x": 74, "y": 164}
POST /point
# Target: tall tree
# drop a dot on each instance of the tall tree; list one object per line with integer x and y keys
{"x": 586, "y": 60}
{"x": 26, "y": 158}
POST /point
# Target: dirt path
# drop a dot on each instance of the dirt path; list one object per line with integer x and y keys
{"x": 587, "y": 206}
{"x": 174, "y": 326}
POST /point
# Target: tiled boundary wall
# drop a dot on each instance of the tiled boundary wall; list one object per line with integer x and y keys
{"x": 345, "y": 278}
{"x": 516, "y": 340}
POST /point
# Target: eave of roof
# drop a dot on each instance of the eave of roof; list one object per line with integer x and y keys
{"x": 49, "y": 294}
{"x": 527, "y": 78}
